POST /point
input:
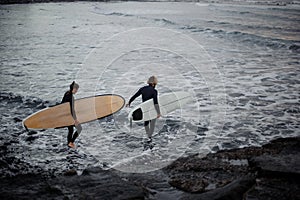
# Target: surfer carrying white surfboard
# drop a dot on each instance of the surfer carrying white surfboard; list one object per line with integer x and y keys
{"x": 148, "y": 92}
{"x": 68, "y": 97}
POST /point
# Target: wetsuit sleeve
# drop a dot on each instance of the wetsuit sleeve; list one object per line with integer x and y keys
{"x": 138, "y": 93}
{"x": 68, "y": 97}
{"x": 156, "y": 103}
{"x": 65, "y": 98}
{"x": 72, "y": 108}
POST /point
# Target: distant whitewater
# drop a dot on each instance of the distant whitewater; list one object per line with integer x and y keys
{"x": 256, "y": 2}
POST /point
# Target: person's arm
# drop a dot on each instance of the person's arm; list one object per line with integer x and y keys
{"x": 63, "y": 99}
{"x": 72, "y": 108}
{"x": 138, "y": 93}
{"x": 156, "y": 104}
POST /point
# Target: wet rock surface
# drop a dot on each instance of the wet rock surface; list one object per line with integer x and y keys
{"x": 92, "y": 184}
{"x": 267, "y": 172}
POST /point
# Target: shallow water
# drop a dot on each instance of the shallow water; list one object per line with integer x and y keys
{"x": 248, "y": 95}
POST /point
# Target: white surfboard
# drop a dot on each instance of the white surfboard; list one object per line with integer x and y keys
{"x": 167, "y": 103}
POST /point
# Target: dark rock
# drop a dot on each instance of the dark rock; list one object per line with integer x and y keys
{"x": 17, "y": 119}
{"x": 97, "y": 183}
{"x": 155, "y": 184}
{"x": 3, "y": 164}
{"x": 275, "y": 188}
{"x": 278, "y": 165}
{"x": 233, "y": 191}
{"x": 93, "y": 170}
{"x": 218, "y": 176}
{"x": 195, "y": 174}
{"x": 267, "y": 172}
{"x": 71, "y": 172}
{"x": 30, "y": 138}
{"x": 29, "y": 186}
{"x": 101, "y": 185}
{"x": 189, "y": 185}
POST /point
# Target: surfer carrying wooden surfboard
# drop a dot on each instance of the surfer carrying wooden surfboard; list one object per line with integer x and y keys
{"x": 148, "y": 92}
{"x": 68, "y": 97}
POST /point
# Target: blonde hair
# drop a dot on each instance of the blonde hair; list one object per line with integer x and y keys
{"x": 152, "y": 80}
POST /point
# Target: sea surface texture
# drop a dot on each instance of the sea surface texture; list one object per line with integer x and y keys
{"x": 239, "y": 62}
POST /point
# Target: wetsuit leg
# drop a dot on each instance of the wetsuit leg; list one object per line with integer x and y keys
{"x": 147, "y": 129}
{"x": 70, "y": 128}
{"x": 146, "y": 123}
{"x": 152, "y": 126}
{"x": 78, "y": 131}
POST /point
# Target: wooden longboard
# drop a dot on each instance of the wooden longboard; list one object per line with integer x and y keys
{"x": 87, "y": 109}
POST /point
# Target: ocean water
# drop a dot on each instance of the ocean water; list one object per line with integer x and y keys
{"x": 239, "y": 62}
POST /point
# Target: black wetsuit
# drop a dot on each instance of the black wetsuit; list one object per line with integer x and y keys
{"x": 147, "y": 92}
{"x": 68, "y": 97}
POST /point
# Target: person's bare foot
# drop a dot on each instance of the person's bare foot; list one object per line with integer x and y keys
{"x": 71, "y": 145}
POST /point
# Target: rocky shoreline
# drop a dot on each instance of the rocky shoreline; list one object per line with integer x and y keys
{"x": 268, "y": 172}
